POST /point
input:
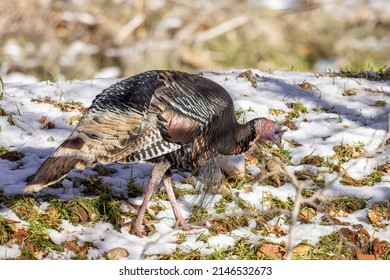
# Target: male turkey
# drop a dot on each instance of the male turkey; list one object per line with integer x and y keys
{"x": 170, "y": 118}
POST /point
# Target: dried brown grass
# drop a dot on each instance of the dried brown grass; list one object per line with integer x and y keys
{"x": 188, "y": 35}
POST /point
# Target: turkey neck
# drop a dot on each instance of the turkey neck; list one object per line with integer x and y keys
{"x": 239, "y": 141}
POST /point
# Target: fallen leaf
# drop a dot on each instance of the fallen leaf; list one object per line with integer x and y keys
{"x": 20, "y": 235}
{"x": 275, "y": 230}
{"x": 117, "y": 253}
{"x": 341, "y": 213}
{"x": 151, "y": 212}
{"x": 267, "y": 199}
{"x": 13, "y": 225}
{"x": 380, "y": 247}
{"x": 50, "y": 125}
{"x": 307, "y": 213}
{"x": 374, "y": 216}
{"x": 361, "y": 256}
{"x": 251, "y": 159}
{"x": 314, "y": 160}
{"x": 83, "y": 214}
{"x": 293, "y": 143}
{"x": 385, "y": 168}
{"x": 303, "y": 174}
{"x": 71, "y": 245}
{"x": 349, "y": 234}
{"x": 248, "y": 74}
{"x": 348, "y": 180}
{"x": 301, "y": 249}
{"x": 356, "y": 155}
{"x": 364, "y": 232}
{"x": 11, "y": 156}
{"x": 271, "y": 251}
{"x": 46, "y": 123}
{"x": 305, "y": 85}
{"x": 84, "y": 250}
{"x": 42, "y": 119}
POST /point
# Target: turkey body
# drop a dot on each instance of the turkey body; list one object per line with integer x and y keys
{"x": 173, "y": 119}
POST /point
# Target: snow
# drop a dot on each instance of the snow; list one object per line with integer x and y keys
{"x": 331, "y": 119}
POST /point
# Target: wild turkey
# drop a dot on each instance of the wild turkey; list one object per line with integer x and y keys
{"x": 170, "y": 118}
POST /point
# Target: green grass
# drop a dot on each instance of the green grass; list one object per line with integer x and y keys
{"x": 134, "y": 189}
{"x": 35, "y": 242}
{"x": 199, "y": 214}
{"x": 34, "y": 239}
{"x": 380, "y": 103}
{"x": 275, "y": 202}
{"x": 329, "y": 247}
{"x": 362, "y": 73}
{"x": 345, "y": 204}
{"x": 222, "y": 205}
{"x": 242, "y": 250}
{"x": 5, "y": 231}
{"x": 3, "y": 149}
{"x": 1, "y": 88}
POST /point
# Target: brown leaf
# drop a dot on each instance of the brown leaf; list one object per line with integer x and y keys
{"x": 84, "y": 250}
{"x": 361, "y": 256}
{"x": 83, "y": 214}
{"x": 388, "y": 213}
{"x": 71, "y": 245}
{"x": 348, "y": 180}
{"x": 380, "y": 247}
{"x": 117, "y": 253}
{"x": 303, "y": 174}
{"x": 374, "y": 216}
{"x": 248, "y": 74}
{"x": 42, "y": 119}
{"x": 349, "y": 234}
{"x": 251, "y": 159}
{"x": 2, "y": 112}
{"x": 356, "y": 155}
{"x": 364, "y": 232}
{"x": 305, "y": 85}
{"x": 11, "y": 156}
{"x": 385, "y": 168}
{"x": 151, "y": 212}
{"x": 46, "y": 123}
{"x": 20, "y": 235}
{"x": 271, "y": 251}
{"x": 13, "y": 225}
{"x": 50, "y": 125}
{"x": 293, "y": 143}
{"x": 307, "y": 213}
{"x": 301, "y": 249}
{"x": 314, "y": 160}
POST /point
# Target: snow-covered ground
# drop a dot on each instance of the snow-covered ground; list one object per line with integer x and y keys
{"x": 338, "y": 111}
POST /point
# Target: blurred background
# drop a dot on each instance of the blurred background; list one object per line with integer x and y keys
{"x": 84, "y": 39}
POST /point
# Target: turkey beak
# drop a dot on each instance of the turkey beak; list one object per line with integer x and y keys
{"x": 278, "y": 139}
{"x": 278, "y": 142}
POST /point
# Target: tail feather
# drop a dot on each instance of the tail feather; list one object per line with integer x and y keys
{"x": 56, "y": 167}
{"x": 51, "y": 171}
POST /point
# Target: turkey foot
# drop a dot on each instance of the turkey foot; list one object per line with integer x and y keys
{"x": 181, "y": 223}
{"x": 136, "y": 229}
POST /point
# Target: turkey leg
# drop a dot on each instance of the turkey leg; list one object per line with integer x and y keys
{"x": 180, "y": 221}
{"x": 158, "y": 172}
